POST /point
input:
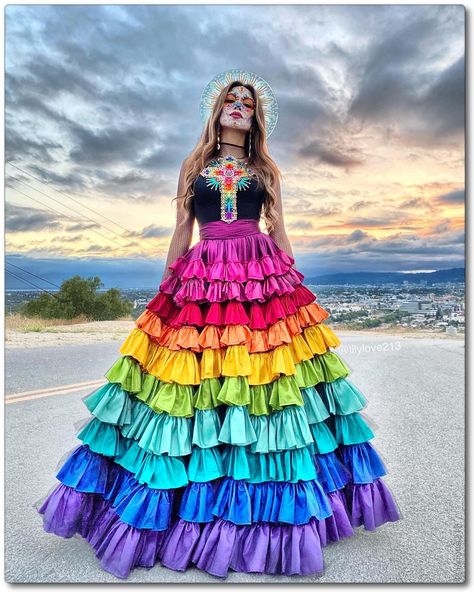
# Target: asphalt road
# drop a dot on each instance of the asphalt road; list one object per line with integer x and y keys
{"x": 415, "y": 392}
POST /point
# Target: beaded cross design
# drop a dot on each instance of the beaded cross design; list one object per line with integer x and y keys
{"x": 227, "y": 174}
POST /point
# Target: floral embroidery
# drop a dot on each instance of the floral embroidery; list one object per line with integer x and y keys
{"x": 227, "y": 175}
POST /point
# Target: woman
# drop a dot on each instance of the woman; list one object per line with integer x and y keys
{"x": 227, "y": 435}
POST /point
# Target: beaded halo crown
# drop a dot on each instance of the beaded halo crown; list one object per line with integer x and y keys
{"x": 263, "y": 89}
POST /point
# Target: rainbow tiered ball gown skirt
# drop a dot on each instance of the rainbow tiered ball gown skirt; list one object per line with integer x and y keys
{"x": 227, "y": 435}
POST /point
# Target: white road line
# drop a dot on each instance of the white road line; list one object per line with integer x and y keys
{"x": 51, "y": 392}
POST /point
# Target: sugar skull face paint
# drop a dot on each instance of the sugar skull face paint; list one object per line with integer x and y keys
{"x": 238, "y": 109}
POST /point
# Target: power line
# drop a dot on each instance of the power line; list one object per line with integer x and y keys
{"x": 68, "y": 216}
{"x": 31, "y": 273}
{"x": 57, "y": 201}
{"x": 74, "y": 200}
{"x": 67, "y": 195}
{"x": 31, "y": 284}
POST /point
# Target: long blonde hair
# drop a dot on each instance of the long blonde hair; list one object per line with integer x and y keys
{"x": 264, "y": 166}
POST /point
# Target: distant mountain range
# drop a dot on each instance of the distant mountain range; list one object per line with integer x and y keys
{"x": 133, "y": 274}
{"x": 373, "y": 277}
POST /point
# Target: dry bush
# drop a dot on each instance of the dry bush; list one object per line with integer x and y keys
{"x": 23, "y": 324}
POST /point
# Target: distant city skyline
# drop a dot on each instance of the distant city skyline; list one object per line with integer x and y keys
{"x": 145, "y": 275}
{"x": 102, "y": 105}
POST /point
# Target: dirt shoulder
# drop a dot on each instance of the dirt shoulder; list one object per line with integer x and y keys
{"x": 107, "y": 331}
{"x": 58, "y": 335}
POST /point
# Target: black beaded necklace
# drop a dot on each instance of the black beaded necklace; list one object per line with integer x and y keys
{"x": 229, "y": 144}
{"x": 243, "y": 159}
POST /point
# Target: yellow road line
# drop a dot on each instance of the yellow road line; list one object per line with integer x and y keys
{"x": 51, "y": 392}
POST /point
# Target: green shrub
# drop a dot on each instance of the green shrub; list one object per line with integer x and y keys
{"x": 78, "y": 297}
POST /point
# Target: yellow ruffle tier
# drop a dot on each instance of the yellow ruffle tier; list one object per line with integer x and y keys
{"x": 185, "y": 366}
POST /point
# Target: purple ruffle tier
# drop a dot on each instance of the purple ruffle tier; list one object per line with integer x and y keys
{"x": 214, "y": 547}
{"x": 120, "y": 547}
{"x": 220, "y": 545}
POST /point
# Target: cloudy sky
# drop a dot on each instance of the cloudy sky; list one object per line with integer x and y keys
{"x": 102, "y": 105}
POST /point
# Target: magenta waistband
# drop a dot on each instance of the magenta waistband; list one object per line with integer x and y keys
{"x": 221, "y": 229}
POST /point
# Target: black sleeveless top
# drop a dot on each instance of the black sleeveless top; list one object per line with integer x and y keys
{"x": 226, "y": 189}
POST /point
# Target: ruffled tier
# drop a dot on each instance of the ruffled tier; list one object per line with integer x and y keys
{"x": 231, "y": 499}
{"x": 312, "y": 340}
{"x": 306, "y": 323}
{"x": 242, "y": 502}
{"x": 253, "y": 314}
{"x": 215, "y": 547}
{"x": 265, "y": 548}
{"x": 297, "y": 389}
{"x": 249, "y": 290}
{"x": 244, "y": 269}
{"x": 182, "y": 399}
{"x": 251, "y": 257}
{"x": 187, "y": 367}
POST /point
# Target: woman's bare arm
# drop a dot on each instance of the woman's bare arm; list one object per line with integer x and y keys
{"x": 278, "y": 234}
{"x": 183, "y": 233}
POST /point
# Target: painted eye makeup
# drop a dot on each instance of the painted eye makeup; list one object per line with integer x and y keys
{"x": 247, "y": 102}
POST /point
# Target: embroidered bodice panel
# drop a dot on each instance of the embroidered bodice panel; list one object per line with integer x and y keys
{"x": 227, "y": 190}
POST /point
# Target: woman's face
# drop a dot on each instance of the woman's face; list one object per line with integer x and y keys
{"x": 238, "y": 109}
